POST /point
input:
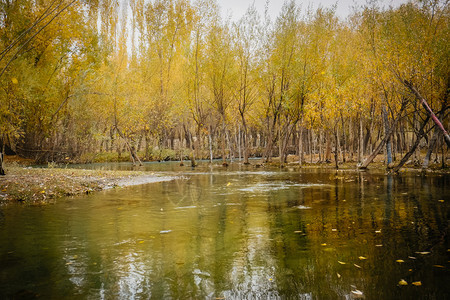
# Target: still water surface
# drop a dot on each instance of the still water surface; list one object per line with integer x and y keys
{"x": 236, "y": 233}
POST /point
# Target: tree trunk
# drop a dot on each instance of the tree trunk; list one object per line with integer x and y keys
{"x": 429, "y": 111}
{"x": 419, "y": 136}
{"x": 2, "y": 170}
{"x": 300, "y": 145}
{"x": 377, "y": 149}
{"x": 431, "y": 146}
{"x": 388, "y": 142}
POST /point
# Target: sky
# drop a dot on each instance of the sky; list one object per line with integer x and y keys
{"x": 238, "y": 7}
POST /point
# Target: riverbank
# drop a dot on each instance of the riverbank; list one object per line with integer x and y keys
{"x": 42, "y": 185}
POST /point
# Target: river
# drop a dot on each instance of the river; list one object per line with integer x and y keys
{"x": 234, "y": 233}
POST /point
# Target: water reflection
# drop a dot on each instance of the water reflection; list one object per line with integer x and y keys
{"x": 234, "y": 235}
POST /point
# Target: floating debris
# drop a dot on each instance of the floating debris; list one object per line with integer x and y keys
{"x": 402, "y": 282}
{"x": 357, "y": 294}
{"x": 303, "y": 207}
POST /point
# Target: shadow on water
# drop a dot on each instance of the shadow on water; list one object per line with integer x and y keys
{"x": 235, "y": 233}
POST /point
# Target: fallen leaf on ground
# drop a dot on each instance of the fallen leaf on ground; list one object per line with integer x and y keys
{"x": 417, "y": 283}
{"x": 362, "y": 257}
{"x": 359, "y": 267}
{"x": 341, "y": 262}
{"x": 400, "y": 261}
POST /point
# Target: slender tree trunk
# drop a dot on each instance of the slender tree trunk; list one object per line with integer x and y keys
{"x": 2, "y": 170}
{"x": 361, "y": 141}
{"x": 377, "y": 149}
{"x": 300, "y": 145}
{"x": 411, "y": 151}
{"x": 431, "y": 146}
{"x": 210, "y": 147}
{"x": 429, "y": 111}
{"x": 388, "y": 142}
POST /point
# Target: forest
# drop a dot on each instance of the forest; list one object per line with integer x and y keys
{"x": 95, "y": 80}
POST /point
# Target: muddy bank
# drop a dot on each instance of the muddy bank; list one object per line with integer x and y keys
{"x": 38, "y": 185}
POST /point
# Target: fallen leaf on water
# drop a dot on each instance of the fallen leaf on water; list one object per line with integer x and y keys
{"x": 357, "y": 293}
{"x": 400, "y": 261}
{"x": 341, "y": 262}
{"x": 402, "y": 282}
{"x": 417, "y": 283}
{"x": 362, "y": 257}
{"x": 359, "y": 267}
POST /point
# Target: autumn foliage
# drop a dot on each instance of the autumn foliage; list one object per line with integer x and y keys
{"x": 173, "y": 79}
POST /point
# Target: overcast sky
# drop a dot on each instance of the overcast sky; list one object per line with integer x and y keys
{"x": 238, "y": 7}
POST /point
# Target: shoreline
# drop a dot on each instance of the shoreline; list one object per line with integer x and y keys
{"x": 43, "y": 185}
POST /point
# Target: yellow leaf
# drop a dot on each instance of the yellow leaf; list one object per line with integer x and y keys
{"x": 14, "y": 80}
{"x": 359, "y": 267}
{"x": 400, "y": 261}
{"x": 362, "y": 257}
{"x": 402, "y": 282}
{"x": 341, "y": 262}
{"x": 441, "y": 200}
{"x": 338, "y": 275}
{"x": 324, "y": 244}
{"x": 423, "y": 252}
{"x": 438, "y": 266}
{"x": 141, "y": 242}
{"x": 417, "y": 283}
{"x": 229, "y": 183}
{"x": 42, "y": 192}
